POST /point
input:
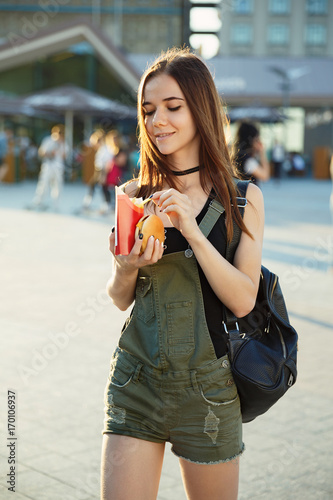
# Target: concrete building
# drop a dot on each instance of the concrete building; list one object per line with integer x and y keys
{"x": 287, "y": 28}
{"x": 272, "y": 53}
{"x": 137, "y": 26}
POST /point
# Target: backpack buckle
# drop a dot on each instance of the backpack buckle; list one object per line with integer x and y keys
{"x": 226, "y": 328}
{"x": 241, "y": 202}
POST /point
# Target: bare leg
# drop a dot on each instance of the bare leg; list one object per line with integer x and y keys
{"x": 216, "y": 481}
{"x": 43, "y": 184}
{"x": 56, "y": 185}
{"x": 131, "y": 468}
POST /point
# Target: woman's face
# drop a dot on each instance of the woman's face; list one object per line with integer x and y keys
{"x": 169, "y": 122}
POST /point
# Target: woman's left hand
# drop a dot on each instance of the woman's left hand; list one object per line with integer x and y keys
{"x": 178, "y": 207}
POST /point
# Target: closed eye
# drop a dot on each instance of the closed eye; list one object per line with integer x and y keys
{"x": 150, "y": 113}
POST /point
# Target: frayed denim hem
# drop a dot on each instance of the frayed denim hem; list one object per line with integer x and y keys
{"x": 211, "y": 463}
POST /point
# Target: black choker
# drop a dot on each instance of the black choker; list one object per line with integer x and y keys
{"x": 185, "y": 172}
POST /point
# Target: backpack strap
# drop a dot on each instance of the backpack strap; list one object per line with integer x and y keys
{"x": 216, "y": 209}
{"x": 232, "y": 246}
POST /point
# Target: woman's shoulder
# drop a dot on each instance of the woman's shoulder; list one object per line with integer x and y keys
{"x": 255, "y": 197}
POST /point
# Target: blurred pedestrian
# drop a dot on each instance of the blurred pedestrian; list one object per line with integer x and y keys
{"x": 331, "y": 197}
{"x": 103, "y": 156}
{"x": 331, "y": 209}
{"x": 278, "y": 157}
{"x": 52, "y": 152}
{"x": 297, "y": 165}
{"x": 116, "y": 167}
{"x": 5, "y": 138}
{"x": 31, "y": 160}
{"x": 133, "y": 158}
{"x": 251, "y": 157}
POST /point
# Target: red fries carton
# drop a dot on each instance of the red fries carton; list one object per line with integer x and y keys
{"x": 126, "y": 218}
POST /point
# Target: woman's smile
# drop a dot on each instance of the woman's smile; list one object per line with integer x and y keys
{"x": 165, "y": 135}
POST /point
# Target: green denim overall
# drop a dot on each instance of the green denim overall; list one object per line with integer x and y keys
{"x": 168, "y": 328}
{"x": 166, "y": 345}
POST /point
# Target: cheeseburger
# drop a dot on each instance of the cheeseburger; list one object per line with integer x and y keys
{"x": 149, "y": 225}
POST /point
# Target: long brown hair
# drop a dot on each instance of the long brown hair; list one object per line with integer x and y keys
{"x": 197, "y": 85}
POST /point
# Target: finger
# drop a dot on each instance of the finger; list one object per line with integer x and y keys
{"x": 160, "y": 196}
{"x": 172, "y": 208}
{"x": 175, "y": 199}
{"x": 137, "y": 246}
{"x": 156, "y": 196}
{"x": 158, "y": 251}
{"x": 147, "y": 254}
{"x": 111, "y": 242}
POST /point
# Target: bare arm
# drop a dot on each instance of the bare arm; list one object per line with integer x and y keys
{"x": 235, "y": 285}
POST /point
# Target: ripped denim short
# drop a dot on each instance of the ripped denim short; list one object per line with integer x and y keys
{"x": 197, "y": 411}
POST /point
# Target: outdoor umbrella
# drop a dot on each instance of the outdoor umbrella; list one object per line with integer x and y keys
{"x": 260, "y": 114}
{"x": 71, "y": 100}
{"x": 10, "y": 106}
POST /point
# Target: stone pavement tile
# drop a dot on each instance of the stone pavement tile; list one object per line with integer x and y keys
{"x": 69, "y": 445}
{"x": 172, "y": 493}
{"x": 8, "y": 495}
{"x": 288, "y": 492}
{"x": 313, "y": 468}
{"x": 318, "y": 475}
{"x": 295, "y": 490}
{"x": 5, "y": 470}
{"x": 286, "y": 448}
{"x": 43, "y": 487}
{"x": 84, "y": 479}
{"x": 50, "y": 462}
{"x": 90, "y": 454}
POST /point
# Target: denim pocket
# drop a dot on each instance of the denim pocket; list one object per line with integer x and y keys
{"x": 120, "y": 376}
{"x": 144, "y": 300}
{"x": 180, "y": 328}
{"x": 220, "y": 391}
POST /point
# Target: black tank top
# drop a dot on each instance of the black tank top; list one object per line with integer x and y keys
{"x": 175, "y": 242}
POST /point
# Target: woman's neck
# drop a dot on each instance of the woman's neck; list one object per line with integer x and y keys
{"x": 184, "y": 160}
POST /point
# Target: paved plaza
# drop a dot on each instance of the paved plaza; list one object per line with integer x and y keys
{"x": 58, "y": 330}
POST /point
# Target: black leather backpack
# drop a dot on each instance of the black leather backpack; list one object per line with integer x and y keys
{"x": 262, "y": 344}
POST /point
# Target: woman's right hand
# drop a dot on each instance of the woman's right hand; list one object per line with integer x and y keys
{"x": 133, "y": 261}
{"x": 257, "y": 146}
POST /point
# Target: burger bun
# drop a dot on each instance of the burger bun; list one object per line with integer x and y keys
{"x": 149, "y": 225}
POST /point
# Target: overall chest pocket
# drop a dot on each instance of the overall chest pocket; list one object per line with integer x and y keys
{"x": 180, "y": 328}
{"x": 144, "y": 299}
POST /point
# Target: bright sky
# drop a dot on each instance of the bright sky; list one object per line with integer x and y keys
{"x": 202, "y": 18}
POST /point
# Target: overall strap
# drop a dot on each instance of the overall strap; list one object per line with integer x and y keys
{"x": 215, "y": 210}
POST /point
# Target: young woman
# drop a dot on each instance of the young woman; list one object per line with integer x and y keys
{"x": 170, "y": 378}
{"x": 251, "y": 157}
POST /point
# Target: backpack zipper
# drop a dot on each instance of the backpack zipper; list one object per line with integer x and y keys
{"x": 269, "y": 315}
